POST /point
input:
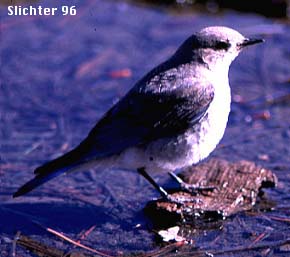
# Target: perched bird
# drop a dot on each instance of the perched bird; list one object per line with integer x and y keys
{"x": 172, "y": 118}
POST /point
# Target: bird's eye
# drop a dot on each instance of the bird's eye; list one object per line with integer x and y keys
{"x": 221, "y": 45}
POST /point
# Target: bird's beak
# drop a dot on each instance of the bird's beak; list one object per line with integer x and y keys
{"x": 250, "y": 41}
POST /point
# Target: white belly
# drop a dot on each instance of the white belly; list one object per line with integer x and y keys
{"x": 212, "y": 129}
{"x": 169, "y": 154}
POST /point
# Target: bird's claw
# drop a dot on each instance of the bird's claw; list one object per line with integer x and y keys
{"x": 180, "y": 199}
{"x": 191, "y": 188}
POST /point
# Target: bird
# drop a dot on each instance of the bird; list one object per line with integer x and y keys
{"x": 172, "y": 118}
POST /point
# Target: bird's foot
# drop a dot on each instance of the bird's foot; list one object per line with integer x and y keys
{"x": 178, "y": 199}
{"x": 164, "y": 194}
{"x": 191, "y": 188}
{"x": 182, "y": 199}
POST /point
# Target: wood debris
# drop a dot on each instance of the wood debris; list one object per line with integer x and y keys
{"x": 236, "y": 187}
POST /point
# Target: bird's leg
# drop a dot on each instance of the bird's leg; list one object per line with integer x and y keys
{"x": 190, "y": 187}
{"x": 160, "y": 189}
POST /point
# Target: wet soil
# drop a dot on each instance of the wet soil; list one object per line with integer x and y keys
{"x": 59, "y": 74}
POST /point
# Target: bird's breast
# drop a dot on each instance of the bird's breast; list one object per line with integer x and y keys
{"x": 190, "y": 147}
{"x": 205, "y": 136}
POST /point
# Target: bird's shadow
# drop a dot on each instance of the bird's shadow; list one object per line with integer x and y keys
{"x": 37, "y": 217}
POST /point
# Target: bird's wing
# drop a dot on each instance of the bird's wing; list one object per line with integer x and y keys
{"x": 142, "y": 117}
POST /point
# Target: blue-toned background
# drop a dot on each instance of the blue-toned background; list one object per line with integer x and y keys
{"x": 59, "y": 74}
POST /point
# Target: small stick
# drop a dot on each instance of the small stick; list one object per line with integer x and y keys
{"x": 86, "y": 233}
{"x": 38, "y": 248}
{"x": 14, "y": 243}
{"x": 284, "y": 219}
{"x": 224, "y": 252}
{"x": 52, "y": 231}
{"x": 165, "y": 250}
{"x": 258, "y": 238}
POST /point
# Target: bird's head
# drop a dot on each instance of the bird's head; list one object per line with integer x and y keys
{"x": 216, "y": 45}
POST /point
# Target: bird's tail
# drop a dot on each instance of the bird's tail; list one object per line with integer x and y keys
{"x": 52, "y": 169}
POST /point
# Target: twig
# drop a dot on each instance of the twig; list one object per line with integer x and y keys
{"x": 39, "y": 248}
{"x": 254, "y": 247}
{"x": 33, "y": 147}
{"x": 84, "y": 234}
{"x": 284, "y": 219}
{"x": 258, "y": 238}
{"x": 165, "y": 250}
{"x": 52, "y": 231}
{"x": 206, "y": 252}
{"x": 14, "y": 243}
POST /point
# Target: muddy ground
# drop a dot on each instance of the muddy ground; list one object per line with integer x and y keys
{"x": 59, "y": 74}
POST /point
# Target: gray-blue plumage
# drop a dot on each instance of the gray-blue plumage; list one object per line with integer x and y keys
{"x": 173, "y": 117}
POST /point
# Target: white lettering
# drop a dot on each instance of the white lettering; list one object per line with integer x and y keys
{"x": 10, "y": 10}
{"x": 53, "y": 10}
{"x": 33, "y": 11}
{"x": 24, "y": 11}
{"x": 38, "y": 10}
{"x": 46, "y": 11}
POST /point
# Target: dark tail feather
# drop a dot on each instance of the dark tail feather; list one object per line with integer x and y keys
{"x": 35, "y": 182}
{"x": 67, "y": 161}
{"x": 52, "y": 169}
